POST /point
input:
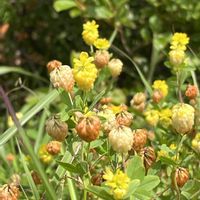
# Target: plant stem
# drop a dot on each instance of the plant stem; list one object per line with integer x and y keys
{"x": 71, "y": 187}
{"x": 178, "y": 76}
{"x": 49, "y": 188}
{"x": 113, "y": 35}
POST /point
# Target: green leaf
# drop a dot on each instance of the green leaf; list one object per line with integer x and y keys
{"x": 103, "y": 13}
{"x": 149, "y": 183}
{"x": 8, "y": 69}
{"x": 132, "y": 187}
{"x": 142, "y": 194}
{"x": 135, "y": 168}
{"x": 167, "y": 160}
{"x": 9, "y": 133}
{"x": 96, "y": 143}
{"x": 99, "y": 192}
{"x": 61, "y": 5}
{"x": 78, "y": 169}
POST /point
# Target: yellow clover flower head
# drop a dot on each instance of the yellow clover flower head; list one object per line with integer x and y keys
{"x": 196, "y": 142}
{"x": 165, "y": 117}
{"x": 84, "y": 71}
{"x": 102, "y": 43}
{"x": 90, "y": 32}
{"x": 118, "y": 183}
{"x": 179, "y": 41}
{"x": 152, "y": 117}
{"x": 162, "y": 86}
{"x": 44, "y": 156}
{"x": 10, "y": 121}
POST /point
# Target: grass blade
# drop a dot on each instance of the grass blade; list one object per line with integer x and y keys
{"x": 32, "y": 112}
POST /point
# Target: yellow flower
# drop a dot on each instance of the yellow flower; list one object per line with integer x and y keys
{"x": 90, "y": 32}
{"x": 118, "y": 182}
{"x": 165, "y": 117}
{"x": 44, "y": 156}
{"x": 172, "y": 146}
{"x": 179, "y": 41}
{"x": 152, "y": 117}
{"x": 102, "y": 43}
{"x": 161, "y": 86}
{"x": 84, "y": 71}
{"x": 162, "y": 153}
{"x": 196, "y": 142}
{"x": 10, "y": 121}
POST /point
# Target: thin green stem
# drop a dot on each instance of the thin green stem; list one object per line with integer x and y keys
{"x": 91, "y": 49}
{"x": 113, "y": 35}
{"x": 71, "y": 187}
{"x": 178, "y": 77}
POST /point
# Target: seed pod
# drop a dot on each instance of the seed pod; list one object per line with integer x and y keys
{"x": 124, "y": 118}
{"x": 139, "y": 139}
{"x": 101, "y": 58}
{"x": 148, "y": 155}
{"x": 88, "y": 128}
{"x": 115, "y": 66}
{"x": 181, "y": 176}
{"x": 121, "y": 139}
{"x": 157, "y": 96}
{"x": 191, "y": 92}
{"x": 36, "y": 178}
{"x": 183, "y": 118}
{"x": 56, "y": 128}
{"x": 54, "y": 64}
{"x": 62, "y": 77}
{"x": 54, "y": 147}
{"x": 97, "y": 179}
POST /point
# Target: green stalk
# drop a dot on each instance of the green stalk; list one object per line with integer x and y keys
{"x": 113, "y": 35}
{"x": 50, "y": 191}
{"x": 71, "y": 187}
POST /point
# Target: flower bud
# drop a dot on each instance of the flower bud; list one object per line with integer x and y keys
{"x": 183, "y": 118}
{"x": 88, "y": 128}
{"x": 176, "y": 57}
{"x": 121, "y": 139}
{"x": 62, "y": 77}
{"x": 115, "y": 66}
{"x": 157, "y": 96}
{"x": 139, "y": 139}
{"x": 54, "y": 147}
{"x": 101, "y": 58}
{"x": 56, "y": 128}
{"x": 10, "y": 157}
{"x": 124, "y": 118}
{"x": 54, "y": 64}
{"x": 181, "y": 176}
{"x": 148, "y": 155}
{"x": 191, "y": 92}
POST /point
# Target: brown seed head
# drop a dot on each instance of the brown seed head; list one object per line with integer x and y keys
{"x": 191, "y": 92}
{"x": 53, "y": 64}
{"x": 139, "y": 139}
{"x": 54, "y": 147}
{"x": 101, "y": 58}
{"x": 182, "y": 176}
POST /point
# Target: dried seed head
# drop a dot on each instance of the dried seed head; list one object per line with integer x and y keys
{"x": 54, "y": 147}
{"x": 157, "y": 96}
{"x": 183, "y": 118}
{"x": 139, "y": 139}
{"x": 138, "y": 101}
{"x": 9, "y": 192}
{"x": 56, "y": 128}
{"x": 101, "y": 58}
{"x": 36, "y": 178}
{"x": 182, "y": 176}
{"x": 191, "y": 92}
{"x": 53, "y": 64}
{"x": 148, "y": 155}
{"x": 97, "y": 179}
{"x": 124, "y": 118}
{"x": 15, "y": 180}
{"x": 106, "y": 100}
{"x": 10, "y": 157}
{"x": 62, "y": 77}
{"x": 88, "y": 128}
{"x": 121, "y": 139}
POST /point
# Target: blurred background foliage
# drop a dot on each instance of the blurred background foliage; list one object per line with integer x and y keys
{"x": 33, "y": 32}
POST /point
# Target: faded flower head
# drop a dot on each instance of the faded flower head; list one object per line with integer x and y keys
{"x": 183, "y": 118}
{"x": 118, "y": 182}
{"x": 53, "y": 64}
{"x": 62, "y": 77}
{"x": 84, "y": 71}
{"x": 139, "y": 139}
{"x": 121, "y": 139}
{"x": 115, "y": 66}
{"x": 191, "y": 92}
{"x": 90, "y": 32}
{"x": 54, "y": 147}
